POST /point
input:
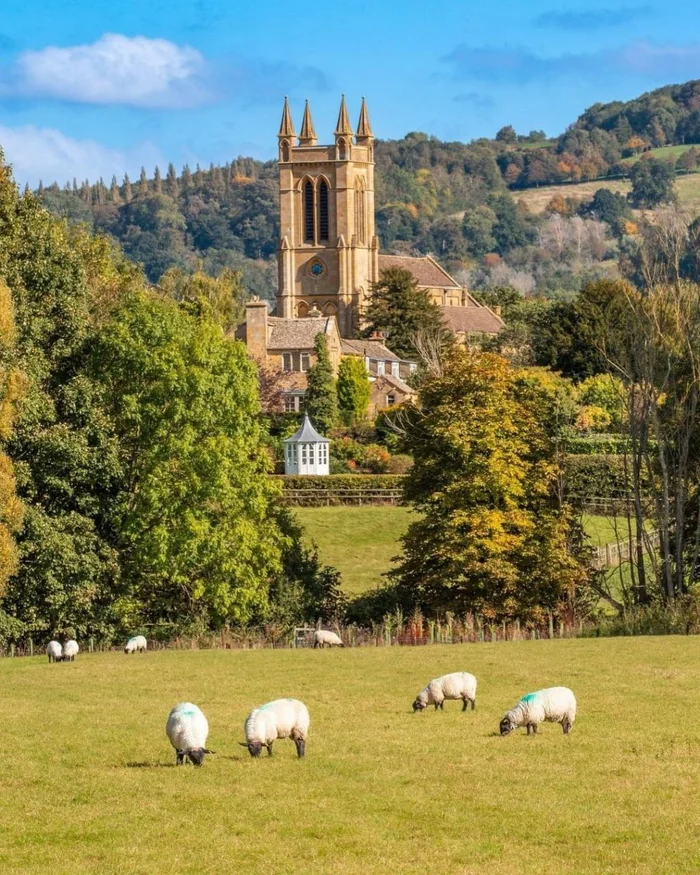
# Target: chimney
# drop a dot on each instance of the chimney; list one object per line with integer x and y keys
{"x": 377, "y": 335}
{"x": 256, "y": 329}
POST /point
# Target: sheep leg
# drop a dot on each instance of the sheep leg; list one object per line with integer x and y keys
{"x": 437, "y": 706}
{"x": 179, "y": 758}
{"x": 534, "y": 728}
{"x": 269, "y": 748}
{"x": 566, "y": 726}
{"x": 473, "y": 704}
{"x": 301, "y": 747}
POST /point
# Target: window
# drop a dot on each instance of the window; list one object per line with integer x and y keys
{"x": 308, "y": 212}
{"x": 390, "y": 400}
{"x": 412, "y": 367}
{"x": 360, "y": 211}
{"x": 394, "y": 369}
{"x": 323, "y": 211}
{"x": 304, "y": 455}
{"x": 291, "y": 403}
{"x": 323, "y": 454}
{"x": 380, "y": 368}
{"x": 311, "y": 454}
{"x": 294, "y": 454}
{"x": 304, "y": 362}
{"x": 287, "y": 361}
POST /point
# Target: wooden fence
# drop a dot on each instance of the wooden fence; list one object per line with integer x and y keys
{"x": 327, "y": 497}
{"x": 610, "y": 555}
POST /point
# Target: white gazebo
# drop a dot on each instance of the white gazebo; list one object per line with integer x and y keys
{"x": 306, "y": 452}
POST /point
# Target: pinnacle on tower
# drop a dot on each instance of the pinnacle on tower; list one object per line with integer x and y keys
{"x": 307, "y": 137}
{"x": 287, "y": 125}
{"x": 343, "y": 127}
{"x": 364, "y": 126}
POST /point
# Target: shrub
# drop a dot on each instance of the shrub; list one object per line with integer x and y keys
{"x": 399, "y": 464}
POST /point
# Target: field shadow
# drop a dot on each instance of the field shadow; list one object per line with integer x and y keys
{"x": 149, "y": 765}
{"x": 494, "y": 735}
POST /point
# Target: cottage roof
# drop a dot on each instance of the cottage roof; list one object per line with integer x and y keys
{"x": 307, "y": 434}
{"x": 426, "y": 270}
{"x": 395, "y": 383}
{"x": 472, "y": 320}
{"x": 296, "y": 333}
{"x": 375, "y": 349}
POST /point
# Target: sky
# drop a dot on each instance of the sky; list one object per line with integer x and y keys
{"x": 90, "y": 89}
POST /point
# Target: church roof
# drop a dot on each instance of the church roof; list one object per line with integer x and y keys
{"x": 307, "y": 434}
{"x": 296, "y": 333}
{"x": 308, "y": 131}
{"x": 364, "y": 126}
{"x": 472, "y": 320}
{"x": 425, "y": 269}
{"x": 343, "y": 126}
{"x": 375, "y": 349}
{"x": 286, "y": 125}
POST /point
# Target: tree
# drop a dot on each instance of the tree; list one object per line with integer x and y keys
{"x": 196, "y": 533}
{"x": 491, "y": 538}
{"x": 172, "y": 186}
{"x": 477, "y": 229}
{"x": 353, "y": 389}
{"x": 652, "y": 183}
{"x": 11, "y": 387}
{"x": 224, "y": 296}
{"x": 608, "y": 206}
{"x": 321, "y": 400}
{"x": 157, "y": 181}
{"x": 507, "y": 135}
{"x": 402, "y": 312}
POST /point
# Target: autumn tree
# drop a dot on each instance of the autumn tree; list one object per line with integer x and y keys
{"x": 353, "y": 389}
{"x": 491, "y": 537}
{"x": 224, "y": 295}
{"x": 321, "y": 399}
{"x": 652, "y": 183}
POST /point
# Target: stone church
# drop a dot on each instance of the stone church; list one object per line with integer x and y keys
{"x": 329, "y": 252}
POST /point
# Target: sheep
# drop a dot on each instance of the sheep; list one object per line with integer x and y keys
{"x": 136, "y": 644}
{"x": 323, "y": 638}
{"x": 457, "y": 685}
{"x": 283, "y": 718}
{"x": 70, "y": 651}
{"x": 54, "y": 651}
{"x": 554, "y": 704}
{"x": 188, "y": 728}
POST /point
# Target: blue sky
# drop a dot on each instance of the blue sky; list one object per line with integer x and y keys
{"x": 90, "y": 89}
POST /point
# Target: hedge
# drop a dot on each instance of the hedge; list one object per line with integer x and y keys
{"x": 587, "y": 477}
{"x": 346, "y": 482}
{"x": 598, "y": 445}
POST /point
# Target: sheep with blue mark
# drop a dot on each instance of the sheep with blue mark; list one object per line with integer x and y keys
{"x": 283, "y": 718}
{"x": 551, "y": 705}
{"x": 188, "y": 728}
{"x": 456, "y": 685}
{"x": 136, "y": 644}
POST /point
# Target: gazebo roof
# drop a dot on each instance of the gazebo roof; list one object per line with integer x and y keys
{"x": 306, "y": 434}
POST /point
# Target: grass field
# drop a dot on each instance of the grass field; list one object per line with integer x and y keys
{"x": 361, "y": 541}
{"x": 89, "y": 783}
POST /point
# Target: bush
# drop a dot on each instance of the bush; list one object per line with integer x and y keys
{"x": 399, "y": 464}
{"x": 334, "y": 482}
{"x": 594, "y": 476}
{"x": 376, "y": 459}
{"x": 598, "y": 445}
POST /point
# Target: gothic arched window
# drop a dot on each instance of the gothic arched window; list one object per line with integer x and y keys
{"x": 308, "y": 212}
{"x": 360, "y": 220}
{"x": 323, "y": 211}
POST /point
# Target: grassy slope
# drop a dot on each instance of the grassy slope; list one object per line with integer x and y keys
{"x": 89, "y": 783}
{"x": 687, "y": 187}
{"x": 361, "y": 541}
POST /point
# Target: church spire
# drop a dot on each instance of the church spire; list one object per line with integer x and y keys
{"x": 364, "y": 126}
{"x": 343, "y": 127}
{"x": 287, "y": 125}
{"x": 307, "y": 137}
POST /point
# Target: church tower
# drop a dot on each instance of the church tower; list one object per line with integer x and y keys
{"x": 328, "y": 253}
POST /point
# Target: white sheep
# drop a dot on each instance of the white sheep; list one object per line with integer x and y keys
{"x": 188, "y": 728}
{"x": 54, "y": 651}
{"x": 554, "y": 704}
{"x": 70, "y": 650}
{"x": 137, "y": 643}
{"x": 457, "y": 685}
{"x": 324, "y": 638}
{"x": 283, "y": 718}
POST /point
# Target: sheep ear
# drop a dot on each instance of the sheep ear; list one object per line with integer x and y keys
{"x": 243, "y": 743}
{"x": 206, "y": 750}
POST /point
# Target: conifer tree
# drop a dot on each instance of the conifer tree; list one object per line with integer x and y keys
{"x": 128, "y": 194}
{"x": 321, "y": 401}
{"x": 172, "y": 187}
{"x": 353, "y": 389}
{"x": 186, "y": 178}
{"x": 114, "y": 194}
{"x": 143, "y": 183}
{"x": 157, "y": 181}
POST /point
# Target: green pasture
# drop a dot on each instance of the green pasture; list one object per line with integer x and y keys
{"x": 90, "y": 785}
{"x": 361, "y": 541}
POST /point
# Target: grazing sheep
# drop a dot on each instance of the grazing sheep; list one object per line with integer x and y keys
{"x": 283, "y": 718}
{"x": 324, "y": 638}
{"x": 554, "y": 704}
{"x": 458, "y": 685}
{"x": 188, "y": 728}
{"x": 70, "y": 650}
{"x": 54, "y": 651}
{"x": 137, "y": 643}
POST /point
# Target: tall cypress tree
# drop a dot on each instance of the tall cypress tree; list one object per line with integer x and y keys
{"x": 321, "y": 401}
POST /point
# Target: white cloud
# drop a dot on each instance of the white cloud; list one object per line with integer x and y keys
{"x": 47, "y": 154}
{"x": 117, "y": 69}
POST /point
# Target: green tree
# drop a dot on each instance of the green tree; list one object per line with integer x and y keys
{"x": 652, "y": 183}
{"x": 224, "y": 295}
{"x": 196, "y": 533}
{"x": 490, "y": 537}
{"x": 321, "y": 399}
{"x": 353, "y": 389}
{"x": 402, "y": 312}
{"x": 477, "y": 229}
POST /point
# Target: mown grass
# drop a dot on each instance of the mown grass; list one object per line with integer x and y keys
{"x": 89, "y": 783}
{"x": 361, "y": 541}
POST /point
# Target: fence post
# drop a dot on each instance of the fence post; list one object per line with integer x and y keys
{"x": 12, "y": 649}
{"x": 31, "y": 647}
{"x": 551, "y": 625}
